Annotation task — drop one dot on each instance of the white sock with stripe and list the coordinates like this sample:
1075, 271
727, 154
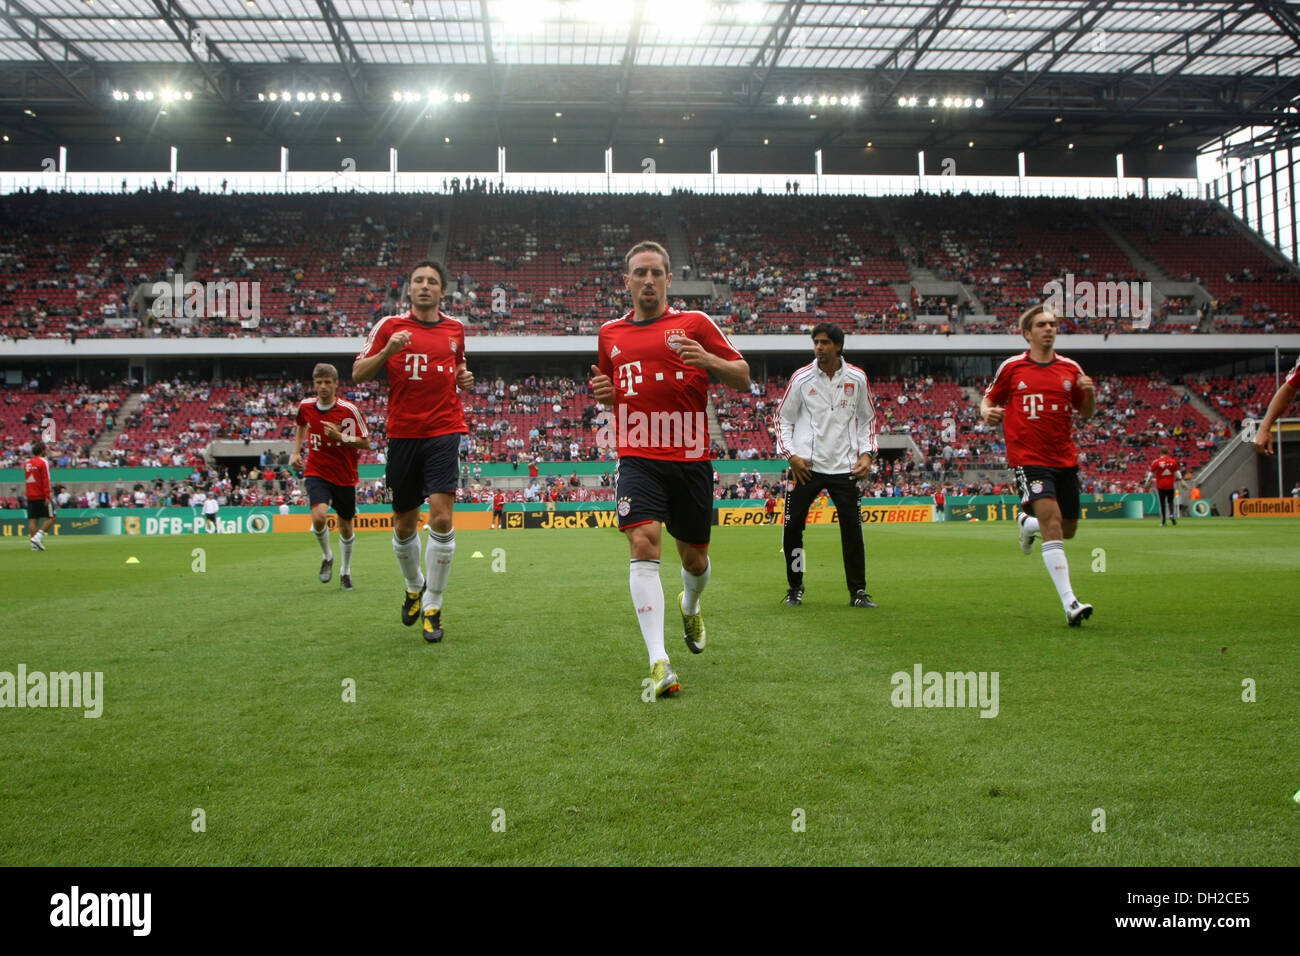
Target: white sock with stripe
408, 557
323, 539
648, 599
694, 584
1059, 569
437, 562
345, 545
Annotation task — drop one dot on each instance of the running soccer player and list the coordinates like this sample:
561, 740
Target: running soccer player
423, 352
1035, 395
334, 431
40, 497
1165, 472
653, 372
1282, 399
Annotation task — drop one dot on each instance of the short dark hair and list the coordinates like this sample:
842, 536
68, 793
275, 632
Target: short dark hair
832, 332
38, 447
325, 370
429, 264
648, 246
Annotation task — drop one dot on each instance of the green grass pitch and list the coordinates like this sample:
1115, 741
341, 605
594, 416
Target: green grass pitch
524, 739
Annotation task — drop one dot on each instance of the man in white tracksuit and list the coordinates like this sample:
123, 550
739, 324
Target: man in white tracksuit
826, 429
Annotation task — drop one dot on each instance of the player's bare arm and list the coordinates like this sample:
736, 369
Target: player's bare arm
992, 414
602, 388
1089, 406
365, 369
464, 377
863, 467
295, 460
1282, 400
733, 373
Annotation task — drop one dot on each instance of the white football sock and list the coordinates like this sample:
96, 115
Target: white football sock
1030, 524
408, 557
648, 599
1059, 569
694, 584
345, 545
323, 539
437, 562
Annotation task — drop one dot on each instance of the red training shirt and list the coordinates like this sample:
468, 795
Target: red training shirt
1164, 468
326, 457
1293, 376
649, 380
37, 472
422, 400
1040, 401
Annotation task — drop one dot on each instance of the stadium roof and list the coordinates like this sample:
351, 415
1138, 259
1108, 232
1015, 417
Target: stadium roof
1118, 74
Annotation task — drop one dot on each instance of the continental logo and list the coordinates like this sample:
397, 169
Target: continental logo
1267, 508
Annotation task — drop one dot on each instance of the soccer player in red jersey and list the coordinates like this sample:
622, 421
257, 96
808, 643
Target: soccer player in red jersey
654, 366
423, 353
334, 431
1282, 399
498, 510
1035, 395
40, 497
1165, 471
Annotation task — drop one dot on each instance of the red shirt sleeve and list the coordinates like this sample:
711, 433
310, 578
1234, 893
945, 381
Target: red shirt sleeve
300, 419
377, 338
362, 431
602, 355
999, 389
714, 340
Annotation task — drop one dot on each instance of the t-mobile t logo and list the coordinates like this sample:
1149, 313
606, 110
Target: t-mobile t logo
1032, 403
629, 376
416, 362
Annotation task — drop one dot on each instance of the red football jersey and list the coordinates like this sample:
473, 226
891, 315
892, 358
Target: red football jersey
498, 501
660, 401
422, 400
37, 472
1293, 376
1164, 469
1040, 401
329, 458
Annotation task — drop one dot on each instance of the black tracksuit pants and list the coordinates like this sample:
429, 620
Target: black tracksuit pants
843, 490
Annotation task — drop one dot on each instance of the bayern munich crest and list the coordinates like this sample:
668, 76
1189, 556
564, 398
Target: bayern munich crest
671, 337
848, 389
624, 507
1036, 487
